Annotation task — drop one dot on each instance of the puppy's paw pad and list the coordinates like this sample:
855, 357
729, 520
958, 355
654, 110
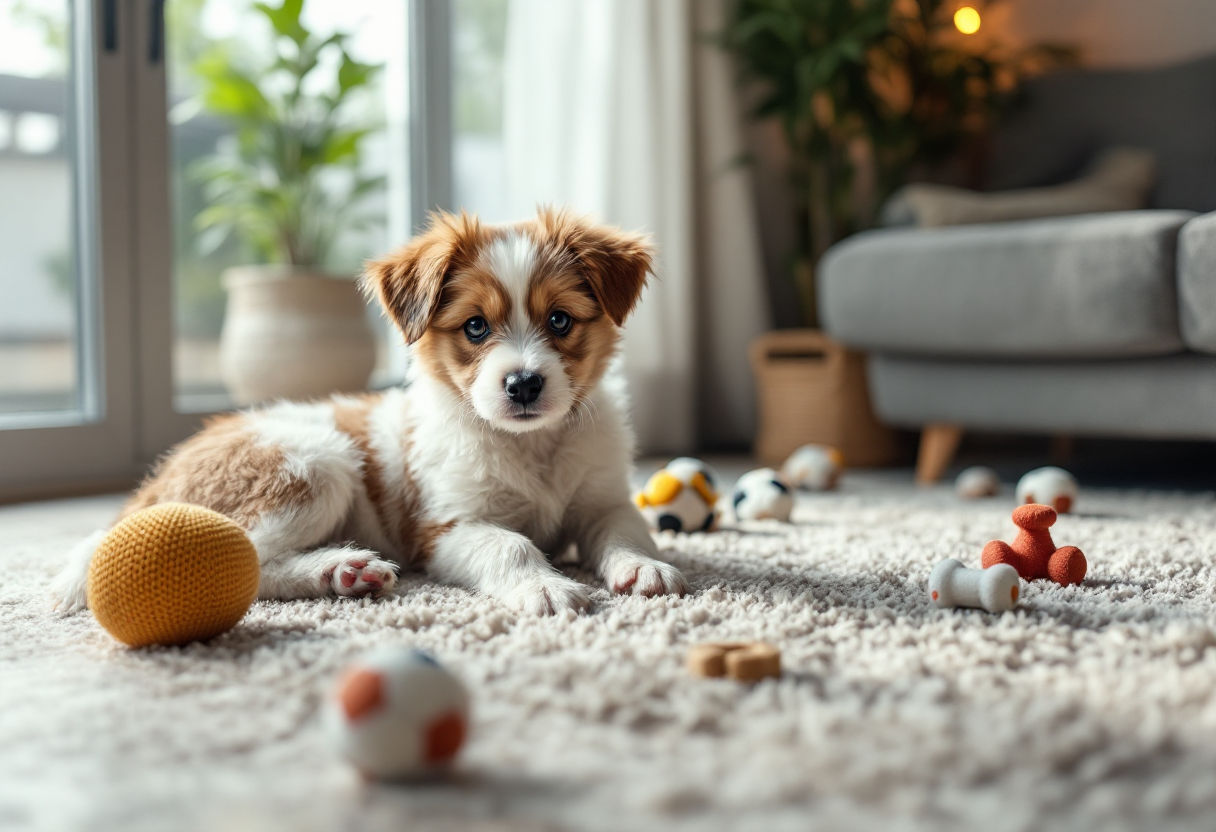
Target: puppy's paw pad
647, 577
550, 597
361, 575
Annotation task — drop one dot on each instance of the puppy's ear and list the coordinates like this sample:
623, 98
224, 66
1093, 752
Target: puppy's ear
408, 283
614, 263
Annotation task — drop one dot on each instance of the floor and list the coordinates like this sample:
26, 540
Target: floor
1087, 707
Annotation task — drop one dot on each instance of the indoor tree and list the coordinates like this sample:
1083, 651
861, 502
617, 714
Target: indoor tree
866, 92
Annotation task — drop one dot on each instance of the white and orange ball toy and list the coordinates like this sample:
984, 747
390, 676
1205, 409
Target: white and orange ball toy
1049, 486
396, 713
813, 467
976, 482
681, 497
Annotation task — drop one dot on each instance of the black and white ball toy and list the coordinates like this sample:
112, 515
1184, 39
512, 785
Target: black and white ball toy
681, 497
762, 494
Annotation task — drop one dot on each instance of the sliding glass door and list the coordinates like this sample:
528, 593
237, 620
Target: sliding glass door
113, 126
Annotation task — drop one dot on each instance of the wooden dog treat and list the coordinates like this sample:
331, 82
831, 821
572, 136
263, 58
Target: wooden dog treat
743, 661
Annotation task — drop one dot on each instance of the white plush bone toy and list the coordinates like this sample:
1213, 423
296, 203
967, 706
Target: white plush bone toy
995, 589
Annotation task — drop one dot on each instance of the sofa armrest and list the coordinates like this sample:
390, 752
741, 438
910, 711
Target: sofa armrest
1197, 283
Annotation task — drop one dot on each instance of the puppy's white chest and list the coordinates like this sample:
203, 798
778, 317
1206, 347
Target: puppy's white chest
531, 502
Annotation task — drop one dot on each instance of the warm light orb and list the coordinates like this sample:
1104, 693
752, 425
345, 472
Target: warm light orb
967, 20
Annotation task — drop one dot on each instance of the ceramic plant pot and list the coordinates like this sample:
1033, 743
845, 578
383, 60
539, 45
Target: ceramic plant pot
293, 334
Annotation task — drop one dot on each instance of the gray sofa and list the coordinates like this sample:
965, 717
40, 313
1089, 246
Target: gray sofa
1103, 324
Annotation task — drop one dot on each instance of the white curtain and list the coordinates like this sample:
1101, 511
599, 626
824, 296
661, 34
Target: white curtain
619, 109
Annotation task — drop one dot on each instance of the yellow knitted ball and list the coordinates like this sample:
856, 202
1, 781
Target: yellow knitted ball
171, 574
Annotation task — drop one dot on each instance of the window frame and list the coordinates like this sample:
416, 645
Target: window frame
92, 448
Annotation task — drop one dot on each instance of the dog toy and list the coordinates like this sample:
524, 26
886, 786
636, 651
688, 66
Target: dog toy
172, 574
1049, 486
1033, 553
680, 497
977, 481
995, 589
396, 713
762, 495
743, 661
813, 467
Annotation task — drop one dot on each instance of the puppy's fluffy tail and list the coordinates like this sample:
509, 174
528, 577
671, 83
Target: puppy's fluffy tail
69, 588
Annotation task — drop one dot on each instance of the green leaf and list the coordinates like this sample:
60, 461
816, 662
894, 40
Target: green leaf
285, 18
352, 74
342, 146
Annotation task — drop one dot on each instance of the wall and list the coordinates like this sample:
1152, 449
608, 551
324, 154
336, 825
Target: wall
1111, 33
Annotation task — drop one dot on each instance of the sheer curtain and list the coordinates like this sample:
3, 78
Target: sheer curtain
619, 109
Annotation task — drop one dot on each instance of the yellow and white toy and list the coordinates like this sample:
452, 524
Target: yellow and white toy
1049, 486
680, 497
396, 713
813, 467
762, 495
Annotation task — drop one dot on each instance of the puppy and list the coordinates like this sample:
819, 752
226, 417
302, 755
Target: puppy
505, 446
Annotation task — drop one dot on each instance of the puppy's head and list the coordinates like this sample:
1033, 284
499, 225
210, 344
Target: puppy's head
521, 321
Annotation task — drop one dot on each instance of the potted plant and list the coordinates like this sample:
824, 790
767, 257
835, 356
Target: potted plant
287, 189
868, 93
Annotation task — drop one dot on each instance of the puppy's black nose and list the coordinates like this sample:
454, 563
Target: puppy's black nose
523, 388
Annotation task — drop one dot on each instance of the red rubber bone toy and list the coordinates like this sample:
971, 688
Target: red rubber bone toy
1033, 553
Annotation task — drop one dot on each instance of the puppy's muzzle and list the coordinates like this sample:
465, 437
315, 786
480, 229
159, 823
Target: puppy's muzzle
523, 387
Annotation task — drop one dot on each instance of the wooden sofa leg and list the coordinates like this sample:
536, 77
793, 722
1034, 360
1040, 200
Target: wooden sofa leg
938, 442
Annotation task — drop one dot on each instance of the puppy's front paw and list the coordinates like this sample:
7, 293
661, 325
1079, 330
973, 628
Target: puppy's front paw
550, 595
362, 574
631, 574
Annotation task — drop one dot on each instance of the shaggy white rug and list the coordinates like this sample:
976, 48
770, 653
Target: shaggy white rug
1088, 707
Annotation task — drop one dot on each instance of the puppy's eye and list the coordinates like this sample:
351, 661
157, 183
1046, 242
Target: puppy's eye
475, 329
560, 322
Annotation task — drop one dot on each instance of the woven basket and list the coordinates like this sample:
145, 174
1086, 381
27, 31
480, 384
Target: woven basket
813, 390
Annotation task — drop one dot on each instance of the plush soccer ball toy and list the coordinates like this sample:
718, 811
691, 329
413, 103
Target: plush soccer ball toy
680, 497
813, 467
762, 495
977, 481
1049, 486
172, 574
396, 713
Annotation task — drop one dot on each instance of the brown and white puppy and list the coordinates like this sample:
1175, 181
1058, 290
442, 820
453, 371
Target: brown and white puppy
505, 446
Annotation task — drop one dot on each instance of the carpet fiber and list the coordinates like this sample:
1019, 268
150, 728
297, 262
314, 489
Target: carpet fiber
1087, 707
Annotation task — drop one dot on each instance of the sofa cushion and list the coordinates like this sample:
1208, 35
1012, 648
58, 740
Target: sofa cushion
1095, 286
1119, 180
1197, 283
